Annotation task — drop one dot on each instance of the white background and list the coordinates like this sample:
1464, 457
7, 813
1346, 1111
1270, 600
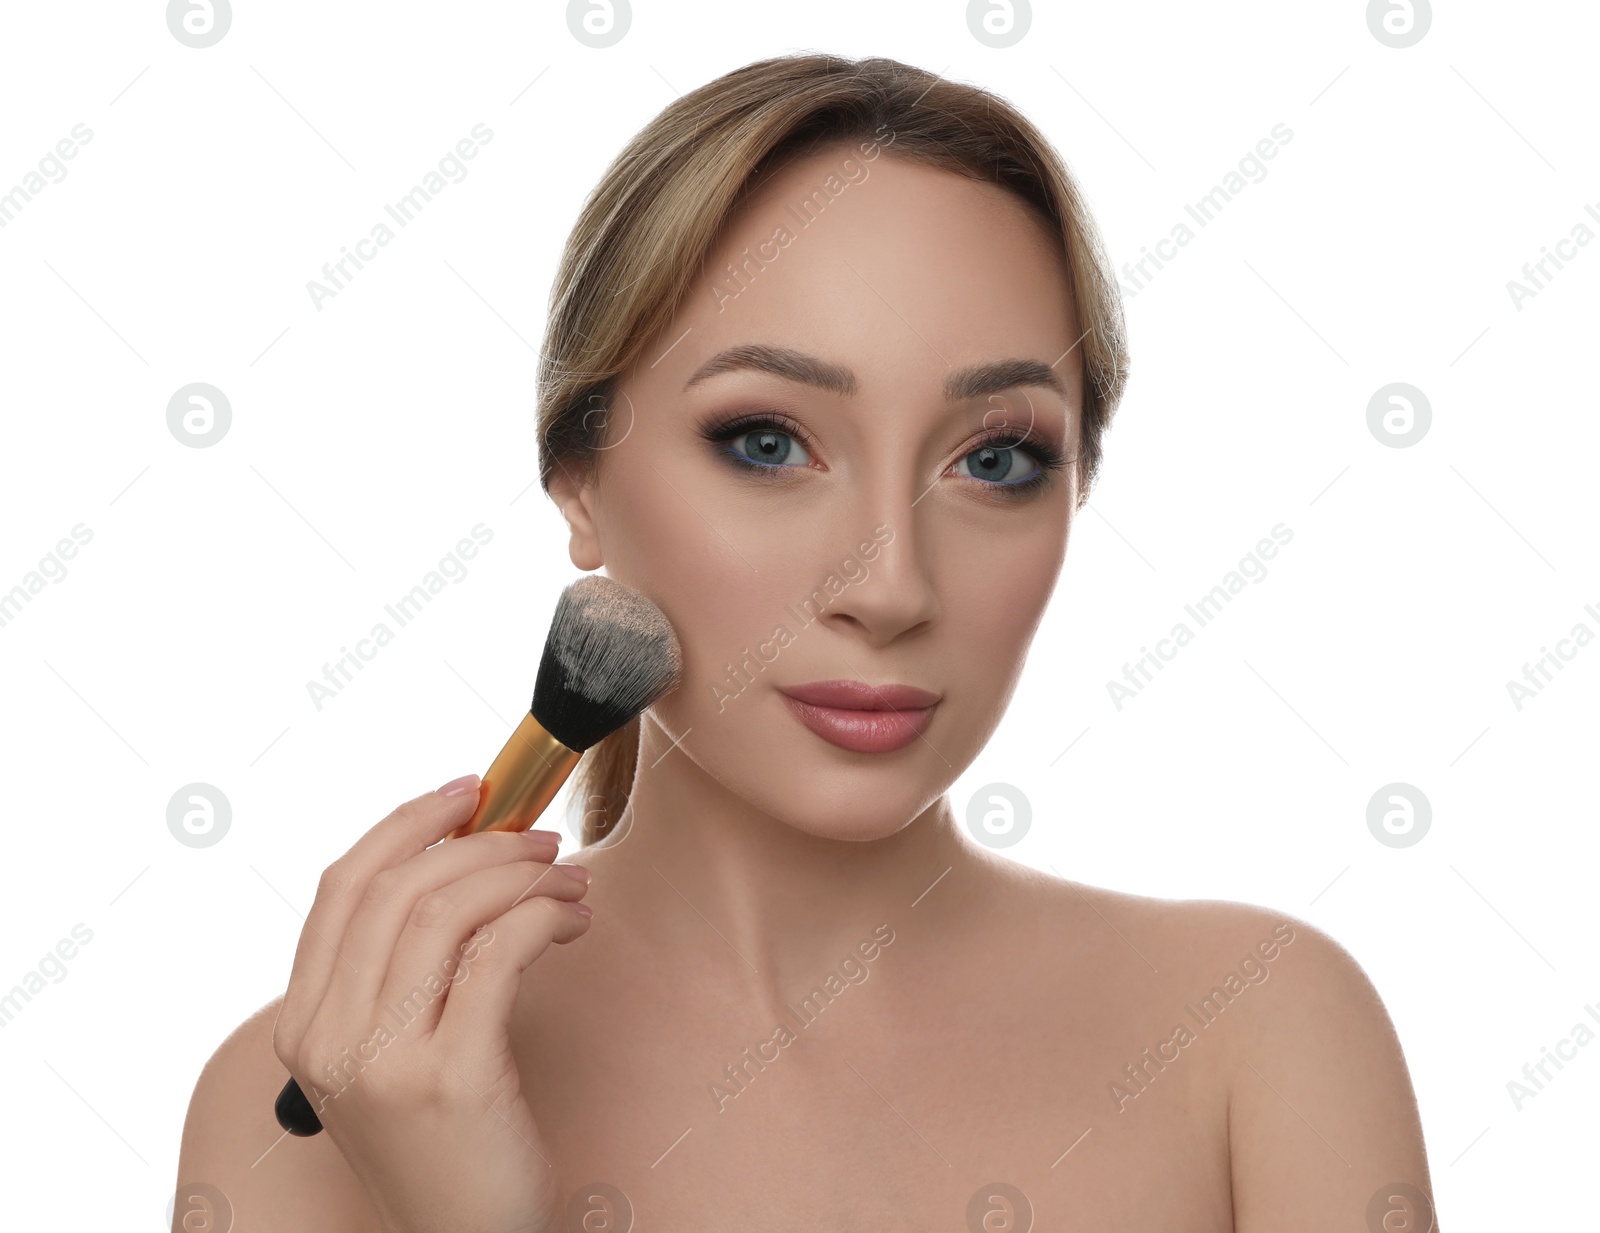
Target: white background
368, 437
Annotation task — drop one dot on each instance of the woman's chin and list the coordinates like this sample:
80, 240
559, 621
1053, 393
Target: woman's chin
864, 819
864, 830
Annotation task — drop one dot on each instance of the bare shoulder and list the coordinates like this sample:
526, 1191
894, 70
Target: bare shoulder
1323, 1126
1206, 942
232, 1142
1185, 941
1283, 984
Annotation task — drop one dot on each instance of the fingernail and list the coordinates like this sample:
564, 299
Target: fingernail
575, 871
459, 787
544, 836
583, 909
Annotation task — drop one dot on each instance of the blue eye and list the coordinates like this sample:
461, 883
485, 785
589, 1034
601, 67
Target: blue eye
766, 443
767, 447
1002, 466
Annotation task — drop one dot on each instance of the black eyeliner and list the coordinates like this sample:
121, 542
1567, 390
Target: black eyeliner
718, 432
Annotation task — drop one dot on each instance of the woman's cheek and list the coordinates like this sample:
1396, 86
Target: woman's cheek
725, 626
992, 615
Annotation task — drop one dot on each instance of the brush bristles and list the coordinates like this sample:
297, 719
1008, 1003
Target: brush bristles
610, 653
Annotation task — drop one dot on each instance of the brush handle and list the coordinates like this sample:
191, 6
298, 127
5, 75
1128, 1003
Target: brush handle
294, 1111
521, 782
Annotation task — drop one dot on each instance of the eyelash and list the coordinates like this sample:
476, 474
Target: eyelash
721, 432
1049, 459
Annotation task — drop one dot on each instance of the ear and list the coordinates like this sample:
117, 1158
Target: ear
572, 488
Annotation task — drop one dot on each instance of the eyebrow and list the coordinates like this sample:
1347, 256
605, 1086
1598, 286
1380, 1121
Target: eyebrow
963, 383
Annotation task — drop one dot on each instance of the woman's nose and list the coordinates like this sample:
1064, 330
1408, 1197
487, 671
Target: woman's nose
889, 572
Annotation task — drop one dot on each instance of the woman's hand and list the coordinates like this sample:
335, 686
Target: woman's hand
395, 1022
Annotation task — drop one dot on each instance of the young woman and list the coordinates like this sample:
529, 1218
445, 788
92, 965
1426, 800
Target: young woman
830, 355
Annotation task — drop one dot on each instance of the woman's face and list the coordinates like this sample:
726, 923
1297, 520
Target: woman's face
853, 462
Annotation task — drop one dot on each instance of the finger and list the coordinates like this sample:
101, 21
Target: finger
406, 831
482, 994
408, 828
393, 894
436, 941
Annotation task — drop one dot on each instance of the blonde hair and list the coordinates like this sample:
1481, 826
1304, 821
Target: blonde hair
644, 231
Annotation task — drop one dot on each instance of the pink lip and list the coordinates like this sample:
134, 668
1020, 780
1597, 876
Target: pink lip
860, 717
859, 696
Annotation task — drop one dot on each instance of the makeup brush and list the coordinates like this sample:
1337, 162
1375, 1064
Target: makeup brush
610, 653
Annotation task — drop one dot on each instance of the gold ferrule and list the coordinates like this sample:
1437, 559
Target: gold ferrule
524, 777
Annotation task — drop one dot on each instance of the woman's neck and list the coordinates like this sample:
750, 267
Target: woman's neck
698, 871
